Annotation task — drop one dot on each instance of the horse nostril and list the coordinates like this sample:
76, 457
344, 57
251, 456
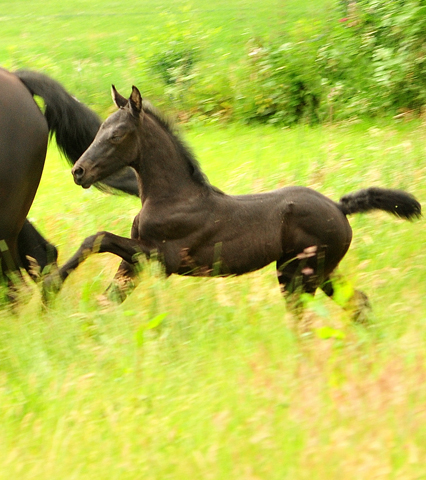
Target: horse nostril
78, 173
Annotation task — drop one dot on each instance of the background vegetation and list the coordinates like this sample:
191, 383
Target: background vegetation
279, 62
211, 378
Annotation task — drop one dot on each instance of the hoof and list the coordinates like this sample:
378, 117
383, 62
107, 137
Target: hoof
51, 286
119, 289
116, 293
360, 307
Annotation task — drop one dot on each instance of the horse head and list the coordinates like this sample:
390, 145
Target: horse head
115, 145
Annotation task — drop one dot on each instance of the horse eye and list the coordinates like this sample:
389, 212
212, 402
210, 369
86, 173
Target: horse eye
116, 137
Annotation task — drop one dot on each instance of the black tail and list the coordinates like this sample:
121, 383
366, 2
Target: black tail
73, 123
397, 202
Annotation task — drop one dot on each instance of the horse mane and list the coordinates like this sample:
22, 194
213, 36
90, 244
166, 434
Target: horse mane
170, 127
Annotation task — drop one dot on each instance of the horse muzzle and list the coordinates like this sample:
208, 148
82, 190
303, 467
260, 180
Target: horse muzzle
80, 177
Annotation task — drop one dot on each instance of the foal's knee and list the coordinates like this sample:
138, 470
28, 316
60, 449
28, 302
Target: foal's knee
93, 242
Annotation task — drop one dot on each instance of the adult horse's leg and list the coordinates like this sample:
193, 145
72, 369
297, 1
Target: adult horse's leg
74, 126
35, 252
10, 274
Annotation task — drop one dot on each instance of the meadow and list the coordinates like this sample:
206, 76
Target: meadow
212, 378
90, 46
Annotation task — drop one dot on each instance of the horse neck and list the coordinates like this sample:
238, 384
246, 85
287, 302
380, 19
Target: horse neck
163, 168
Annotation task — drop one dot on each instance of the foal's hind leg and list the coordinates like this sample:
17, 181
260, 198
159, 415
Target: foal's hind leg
296, 278
355, 302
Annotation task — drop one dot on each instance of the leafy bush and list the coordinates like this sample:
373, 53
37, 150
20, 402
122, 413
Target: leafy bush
195, 87
371, 62
283, 85
174, 55
376, 58
369, 59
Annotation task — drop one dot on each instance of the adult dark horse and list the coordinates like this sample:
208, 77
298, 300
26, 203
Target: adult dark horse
198, 230
24, 132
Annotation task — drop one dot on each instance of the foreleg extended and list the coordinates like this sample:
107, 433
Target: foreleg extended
126, 278
124, 282
102, 242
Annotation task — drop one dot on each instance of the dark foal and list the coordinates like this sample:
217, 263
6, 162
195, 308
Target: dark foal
195, 229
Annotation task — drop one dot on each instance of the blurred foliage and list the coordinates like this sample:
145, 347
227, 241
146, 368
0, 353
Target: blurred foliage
287, 65
368, 60
375, 61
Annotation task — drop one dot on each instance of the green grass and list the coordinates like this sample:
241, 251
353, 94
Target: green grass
211, 378
226, 386
89, 45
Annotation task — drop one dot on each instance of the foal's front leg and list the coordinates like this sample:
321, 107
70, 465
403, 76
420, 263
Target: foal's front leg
124, 282
101, 242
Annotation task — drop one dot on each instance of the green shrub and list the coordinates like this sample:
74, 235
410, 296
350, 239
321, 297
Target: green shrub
283, 85
371, 62
375, 58
369, 59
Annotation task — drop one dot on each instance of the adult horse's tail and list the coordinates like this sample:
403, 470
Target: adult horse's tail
73, 123
397, 202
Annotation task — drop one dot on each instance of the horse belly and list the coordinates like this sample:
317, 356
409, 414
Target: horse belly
227, 237
249, 254
223, 257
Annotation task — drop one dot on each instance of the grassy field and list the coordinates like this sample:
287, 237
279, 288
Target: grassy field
89, 45
210, 378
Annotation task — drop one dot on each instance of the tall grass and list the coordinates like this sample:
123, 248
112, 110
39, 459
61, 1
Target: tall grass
211, 378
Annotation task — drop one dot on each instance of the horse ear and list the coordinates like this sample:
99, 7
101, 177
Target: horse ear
118, 99
135, 101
